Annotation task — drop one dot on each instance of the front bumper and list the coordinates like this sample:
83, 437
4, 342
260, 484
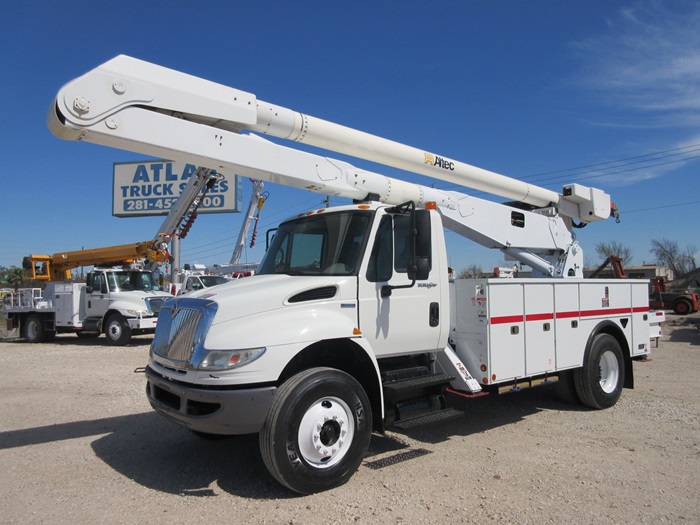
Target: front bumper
142, 323
214, 411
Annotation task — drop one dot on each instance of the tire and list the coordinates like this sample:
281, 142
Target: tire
682, 307
117, 330
34, 331
316, 431
600, 380
565, 388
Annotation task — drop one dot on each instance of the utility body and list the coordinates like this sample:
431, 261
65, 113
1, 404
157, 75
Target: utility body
352, 323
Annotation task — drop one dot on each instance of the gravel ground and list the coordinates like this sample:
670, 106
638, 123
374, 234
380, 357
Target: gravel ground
80, 444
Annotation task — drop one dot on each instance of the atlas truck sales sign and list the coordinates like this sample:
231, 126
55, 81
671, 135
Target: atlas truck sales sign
153, 187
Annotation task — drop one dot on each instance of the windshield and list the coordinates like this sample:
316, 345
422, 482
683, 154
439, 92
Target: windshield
212, 280
125, 280
323, 244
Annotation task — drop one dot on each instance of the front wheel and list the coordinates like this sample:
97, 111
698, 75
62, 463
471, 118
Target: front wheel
117, 330
599, 381
317, 430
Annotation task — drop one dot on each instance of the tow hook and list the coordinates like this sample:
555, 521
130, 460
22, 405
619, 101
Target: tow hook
140, 370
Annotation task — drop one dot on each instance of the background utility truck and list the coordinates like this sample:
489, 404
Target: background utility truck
197, 278
116, 301
352, 324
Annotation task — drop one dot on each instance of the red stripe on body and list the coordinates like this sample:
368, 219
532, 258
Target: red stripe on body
508, 319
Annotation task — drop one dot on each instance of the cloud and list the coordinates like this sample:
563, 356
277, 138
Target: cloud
646, 65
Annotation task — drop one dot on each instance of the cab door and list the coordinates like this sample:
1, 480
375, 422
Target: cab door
394, 316
97, 298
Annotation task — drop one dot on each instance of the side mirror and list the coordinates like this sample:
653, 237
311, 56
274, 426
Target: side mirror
419, 268
88, 289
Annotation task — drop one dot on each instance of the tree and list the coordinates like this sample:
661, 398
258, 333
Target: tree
606, 249
15, 277
668, 253
473, 271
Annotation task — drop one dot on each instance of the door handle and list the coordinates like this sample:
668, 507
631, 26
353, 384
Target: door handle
434, 317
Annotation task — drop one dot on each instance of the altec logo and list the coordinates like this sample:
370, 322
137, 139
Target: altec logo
434, 160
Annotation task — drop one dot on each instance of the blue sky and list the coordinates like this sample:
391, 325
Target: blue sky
602, 93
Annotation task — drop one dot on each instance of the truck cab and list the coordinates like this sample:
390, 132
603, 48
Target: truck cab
196, 282
120, 302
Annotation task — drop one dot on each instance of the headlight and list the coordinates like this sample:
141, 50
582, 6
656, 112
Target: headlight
138, 313
227, 359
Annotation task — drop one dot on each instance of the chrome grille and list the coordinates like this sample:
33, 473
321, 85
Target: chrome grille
182, 327
179, 330
155, 303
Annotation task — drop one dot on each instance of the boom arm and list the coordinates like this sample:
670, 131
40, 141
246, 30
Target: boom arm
138, 106
256, 202
57, 267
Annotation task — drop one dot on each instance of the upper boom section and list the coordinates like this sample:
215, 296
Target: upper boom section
96, 103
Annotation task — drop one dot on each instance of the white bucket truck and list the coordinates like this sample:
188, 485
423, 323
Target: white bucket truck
351, 323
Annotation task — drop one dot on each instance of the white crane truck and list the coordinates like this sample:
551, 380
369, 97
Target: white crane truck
352, 324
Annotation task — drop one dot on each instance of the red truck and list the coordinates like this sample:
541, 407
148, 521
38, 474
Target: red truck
682, 303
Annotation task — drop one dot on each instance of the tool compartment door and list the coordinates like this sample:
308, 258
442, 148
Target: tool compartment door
539, 328
570, 337
640, 318
506, 330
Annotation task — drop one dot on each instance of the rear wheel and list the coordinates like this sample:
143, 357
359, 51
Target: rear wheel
117, 330
682, 307
317, 430
599, 381
34, 330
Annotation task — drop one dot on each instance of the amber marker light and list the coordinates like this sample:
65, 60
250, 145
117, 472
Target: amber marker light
432, 205
363, 207
356, 331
